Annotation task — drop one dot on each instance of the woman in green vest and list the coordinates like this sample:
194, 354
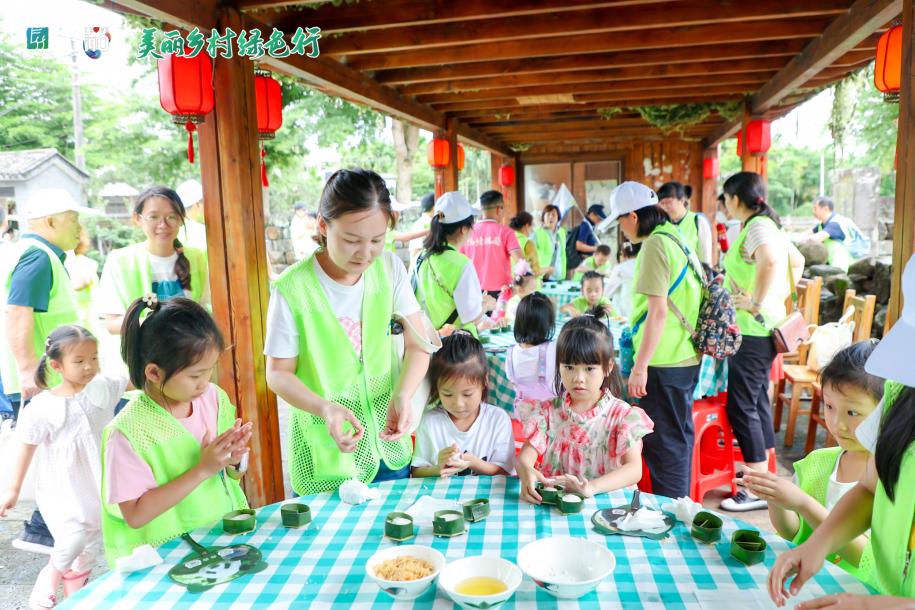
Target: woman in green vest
523, 226
759, 277
447, 284
666, 295
169, 457
550, 240
160, 265
329, 346
696, 230
884, 500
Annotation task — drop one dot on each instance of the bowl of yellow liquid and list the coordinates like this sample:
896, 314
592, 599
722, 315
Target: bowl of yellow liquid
480, 582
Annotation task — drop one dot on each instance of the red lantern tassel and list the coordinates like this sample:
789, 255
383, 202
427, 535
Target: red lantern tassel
191, 128
264, 168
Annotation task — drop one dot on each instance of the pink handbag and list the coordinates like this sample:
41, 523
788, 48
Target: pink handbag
790, 333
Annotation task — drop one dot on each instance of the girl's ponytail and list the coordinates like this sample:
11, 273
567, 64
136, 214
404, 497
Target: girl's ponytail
436, 241
750, 190
131, 351
182, 266
41, 373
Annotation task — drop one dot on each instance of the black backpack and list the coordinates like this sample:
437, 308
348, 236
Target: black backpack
573, 256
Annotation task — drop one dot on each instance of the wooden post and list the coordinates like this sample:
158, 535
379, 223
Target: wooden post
230, 169
450, 178
904, 220
709, 202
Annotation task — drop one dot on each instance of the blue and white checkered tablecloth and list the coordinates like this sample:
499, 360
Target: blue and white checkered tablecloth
324, 566
562, 293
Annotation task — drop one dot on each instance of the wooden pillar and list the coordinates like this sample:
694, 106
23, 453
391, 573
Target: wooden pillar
509, 193
751, 162
709, 201
904, 220
450, 182
230, 169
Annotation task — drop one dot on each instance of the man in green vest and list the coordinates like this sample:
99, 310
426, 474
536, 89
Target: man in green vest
831, 232
37, 299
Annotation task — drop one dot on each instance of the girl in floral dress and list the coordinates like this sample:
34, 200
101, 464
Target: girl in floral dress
590, 440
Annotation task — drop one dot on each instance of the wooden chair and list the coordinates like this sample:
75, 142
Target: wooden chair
808, 303
817, 419
802, 378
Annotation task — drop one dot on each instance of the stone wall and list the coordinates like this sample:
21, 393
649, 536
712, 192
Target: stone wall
867, 276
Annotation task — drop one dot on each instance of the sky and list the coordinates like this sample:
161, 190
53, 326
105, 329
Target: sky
68, 19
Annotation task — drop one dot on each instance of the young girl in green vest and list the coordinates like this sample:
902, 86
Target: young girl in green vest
171, 458
666, 295
550, 240
447, 284
590, 440
160, 265
329, 345
523, 226
464, 435
599, 262
884, 499
592, 295
60, 431
797, 508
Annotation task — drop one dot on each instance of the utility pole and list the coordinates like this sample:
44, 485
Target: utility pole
77, 108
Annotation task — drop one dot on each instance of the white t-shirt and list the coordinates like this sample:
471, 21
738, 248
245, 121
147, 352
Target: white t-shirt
618, 286
282, 340
489, 438
164, 283
836, 489
468, 296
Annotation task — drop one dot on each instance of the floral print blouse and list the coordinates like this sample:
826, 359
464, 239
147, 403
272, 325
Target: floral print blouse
588, 444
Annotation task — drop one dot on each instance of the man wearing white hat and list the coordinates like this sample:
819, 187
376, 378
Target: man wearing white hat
37, 298
195, 232
447, 284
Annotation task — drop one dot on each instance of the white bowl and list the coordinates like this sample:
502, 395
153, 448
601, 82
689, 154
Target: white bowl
406, 589
469, 567
565, 567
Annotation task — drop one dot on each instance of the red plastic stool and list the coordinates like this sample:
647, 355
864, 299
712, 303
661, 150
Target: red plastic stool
645, 484
712, 463
518, 433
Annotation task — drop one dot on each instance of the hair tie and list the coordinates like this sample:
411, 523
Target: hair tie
760, 200
462, 331
151, 300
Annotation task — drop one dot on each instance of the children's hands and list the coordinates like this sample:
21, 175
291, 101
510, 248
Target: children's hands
225, 449
848, 601
445, 458
774, 489
802, 563
529, 478
463, 461
337, 417
400, 416
8, 500
575, 484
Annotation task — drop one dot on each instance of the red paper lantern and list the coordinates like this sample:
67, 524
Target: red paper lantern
759, 138
269, 103
460, 157
710, 168
506, 175
186, 91
888, 64
439, 152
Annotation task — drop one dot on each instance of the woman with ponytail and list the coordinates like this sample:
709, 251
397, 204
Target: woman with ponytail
160, 265
760, 279
447, 283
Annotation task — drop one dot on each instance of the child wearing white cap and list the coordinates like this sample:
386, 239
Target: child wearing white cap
884, 499
447, 284
195, 233
666, 296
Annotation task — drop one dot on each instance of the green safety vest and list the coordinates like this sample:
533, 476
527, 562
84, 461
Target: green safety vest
170, 450
589, 262
389, 240
131, 272
549, 244
581, 305
438, 277
813, 474
689, 231
522, 240
676, 344
893, 520
743, 275
839, 256
328, 365
62, 309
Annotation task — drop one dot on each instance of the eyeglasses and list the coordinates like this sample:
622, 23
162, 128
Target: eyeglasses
172, 220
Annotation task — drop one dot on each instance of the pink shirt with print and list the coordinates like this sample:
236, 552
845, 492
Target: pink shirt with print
489, 247
129, 476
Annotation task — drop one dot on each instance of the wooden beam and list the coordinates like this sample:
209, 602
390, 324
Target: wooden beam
179, 13
368, 15
808, 27
591, 61
842, 35
742, 81
625, 99
590, 134
230, 169
707, 69
904, 219
669, 15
